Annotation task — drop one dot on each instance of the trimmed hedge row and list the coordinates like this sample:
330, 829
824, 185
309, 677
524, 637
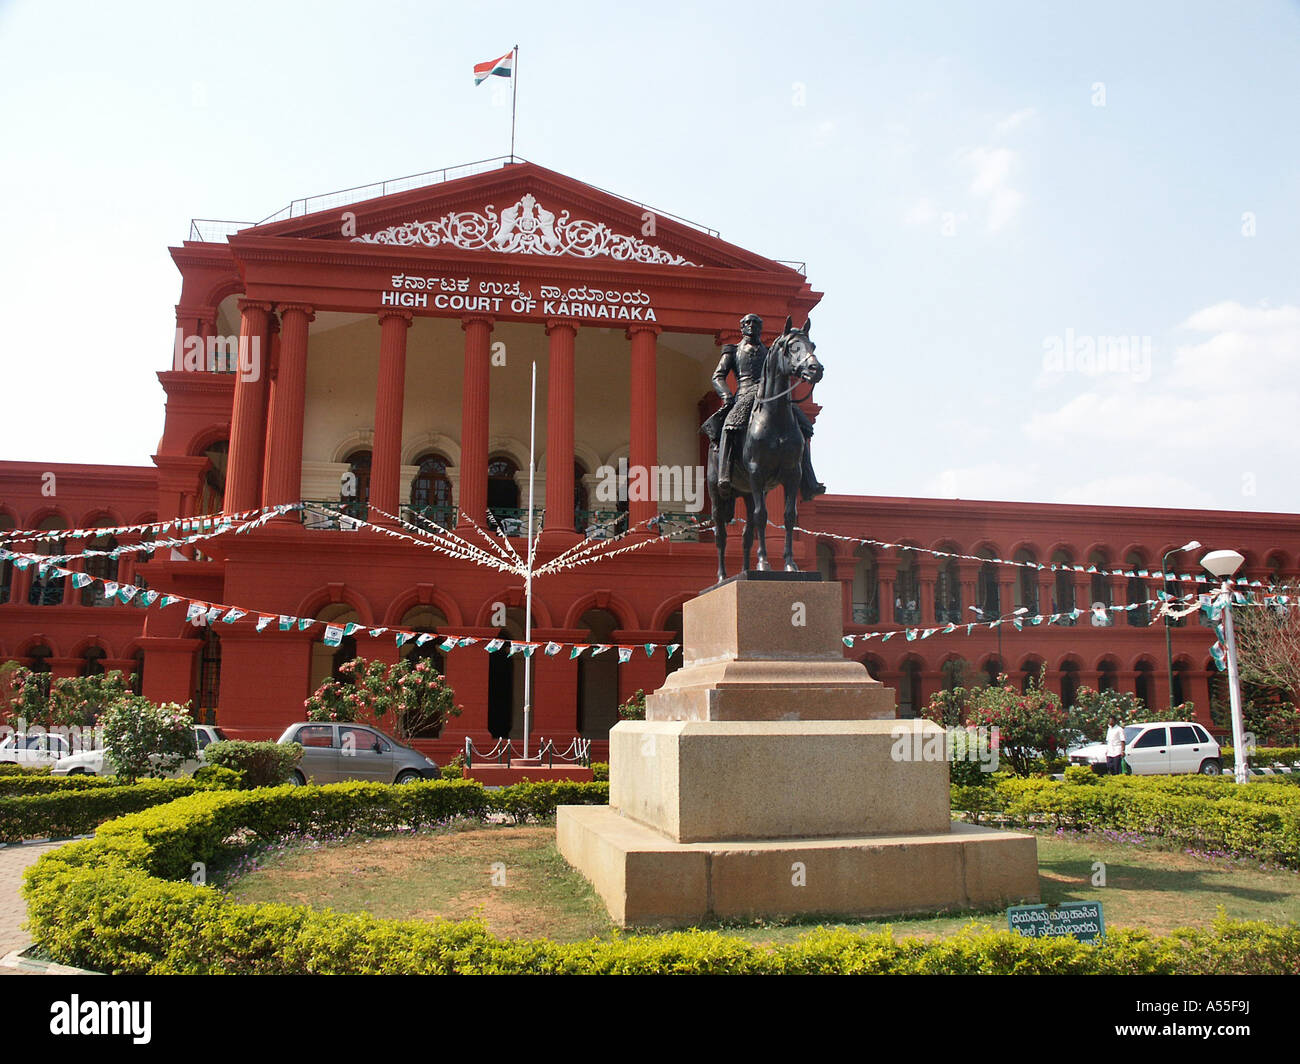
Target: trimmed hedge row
13, 785
1260, 819
10, 768
1266, 756
79, 811
113, 904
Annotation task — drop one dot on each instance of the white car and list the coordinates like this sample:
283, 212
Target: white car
1159, 748
35, 748
100, 762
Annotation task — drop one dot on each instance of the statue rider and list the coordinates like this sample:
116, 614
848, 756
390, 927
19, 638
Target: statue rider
746, 361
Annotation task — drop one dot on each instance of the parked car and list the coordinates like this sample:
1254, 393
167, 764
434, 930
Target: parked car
35, 748
100, 762
335, 753
1160, 748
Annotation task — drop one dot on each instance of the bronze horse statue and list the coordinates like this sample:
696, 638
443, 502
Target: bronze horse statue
771, 454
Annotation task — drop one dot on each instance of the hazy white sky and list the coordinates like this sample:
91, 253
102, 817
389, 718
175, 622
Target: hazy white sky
987, 194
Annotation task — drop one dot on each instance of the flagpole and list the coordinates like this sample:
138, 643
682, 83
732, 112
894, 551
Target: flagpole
528, 577
514, 92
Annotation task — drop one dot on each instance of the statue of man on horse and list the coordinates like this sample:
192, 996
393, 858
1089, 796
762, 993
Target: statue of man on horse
760, 437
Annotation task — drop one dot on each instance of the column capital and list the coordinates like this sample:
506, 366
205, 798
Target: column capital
392, 312
477, 319
254, 304
554, 324
307, 311
643, 327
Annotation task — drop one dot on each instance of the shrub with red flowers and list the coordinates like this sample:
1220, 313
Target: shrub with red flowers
1031, 725
416, 698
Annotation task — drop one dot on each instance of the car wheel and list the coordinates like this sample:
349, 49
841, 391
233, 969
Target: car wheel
409, 776
77, 772
296, 779
1211, 768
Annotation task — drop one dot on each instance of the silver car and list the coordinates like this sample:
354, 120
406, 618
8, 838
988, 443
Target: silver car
336, 753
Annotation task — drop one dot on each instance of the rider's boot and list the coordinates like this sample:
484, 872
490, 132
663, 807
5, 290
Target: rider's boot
810, 487
724, 460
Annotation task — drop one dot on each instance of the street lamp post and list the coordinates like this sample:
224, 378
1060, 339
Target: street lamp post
1223, 564
1169, 643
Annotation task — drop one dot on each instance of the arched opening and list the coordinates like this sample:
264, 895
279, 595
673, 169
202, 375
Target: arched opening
1027, 581
38, 658
431, 490
207, 687
1069, 684
1145, 684
909, 689
354, 492
99, 566
825, 560
1136, 590
506, 682
6, 566
866, 588
1031, 671
212, 495
874, 666
947, 593
907, 595
581, 505
1108, 676
326, 660
425, 620
1182, 689
46, 588
1063, 587
92, 661
598, 678
988, 591
503, 489
993, 668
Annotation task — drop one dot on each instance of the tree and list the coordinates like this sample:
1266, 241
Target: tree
1093, 709
1031, 726
1268, 648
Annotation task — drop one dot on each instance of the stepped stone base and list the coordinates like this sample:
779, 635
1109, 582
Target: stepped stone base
648, 880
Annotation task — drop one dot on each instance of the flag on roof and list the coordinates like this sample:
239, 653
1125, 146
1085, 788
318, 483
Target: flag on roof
500, 67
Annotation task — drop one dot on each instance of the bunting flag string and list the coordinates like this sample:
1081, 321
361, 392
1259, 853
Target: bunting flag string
199, 524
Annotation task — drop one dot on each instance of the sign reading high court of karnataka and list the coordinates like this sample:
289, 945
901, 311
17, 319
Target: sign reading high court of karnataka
460, 295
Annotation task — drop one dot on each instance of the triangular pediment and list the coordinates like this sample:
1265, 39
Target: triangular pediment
526, 210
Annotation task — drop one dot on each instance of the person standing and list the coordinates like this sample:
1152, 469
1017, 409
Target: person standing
1115, 747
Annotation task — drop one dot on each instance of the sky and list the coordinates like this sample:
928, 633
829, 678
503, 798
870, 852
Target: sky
1059, 244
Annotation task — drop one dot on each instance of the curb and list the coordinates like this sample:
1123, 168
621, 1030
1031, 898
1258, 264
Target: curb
31, 966
43, 842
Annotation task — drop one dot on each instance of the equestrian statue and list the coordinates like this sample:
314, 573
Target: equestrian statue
760, 437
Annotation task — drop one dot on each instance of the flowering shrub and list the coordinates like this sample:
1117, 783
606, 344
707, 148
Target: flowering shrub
633, 708
36, 698
1030, 725
1092, 709
418, 697
147, 739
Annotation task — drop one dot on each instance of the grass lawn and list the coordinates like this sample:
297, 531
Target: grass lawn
514, 880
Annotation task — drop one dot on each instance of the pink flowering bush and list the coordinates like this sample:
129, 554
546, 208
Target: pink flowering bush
417, 698
1031, 725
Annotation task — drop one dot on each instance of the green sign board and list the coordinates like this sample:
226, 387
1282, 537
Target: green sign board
1077, 919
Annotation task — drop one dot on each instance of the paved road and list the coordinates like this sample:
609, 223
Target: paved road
13, 910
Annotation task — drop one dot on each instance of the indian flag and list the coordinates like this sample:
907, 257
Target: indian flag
500, 67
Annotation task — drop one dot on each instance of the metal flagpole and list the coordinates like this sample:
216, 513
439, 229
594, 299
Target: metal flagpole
528, 576
514, 92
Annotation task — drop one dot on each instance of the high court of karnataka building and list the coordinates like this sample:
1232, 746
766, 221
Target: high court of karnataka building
396, 332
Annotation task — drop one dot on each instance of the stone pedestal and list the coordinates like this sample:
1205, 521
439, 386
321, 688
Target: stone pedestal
770, 778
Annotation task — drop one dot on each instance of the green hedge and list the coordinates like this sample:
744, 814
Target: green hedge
12, 786
122, 902
10, 768
1265, 756
259, 764
1260, 819
78, 811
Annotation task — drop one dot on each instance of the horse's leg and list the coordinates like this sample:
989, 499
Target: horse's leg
747, 540
791, 519
760, 521
720, 514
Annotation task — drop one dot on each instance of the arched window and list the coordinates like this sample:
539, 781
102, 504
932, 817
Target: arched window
503, 489
988, 592
6, 567
39, 658
425, 619
431, 490
208, 685
92, 661
866, 588
354, 492
1099, 585
1063, 587
947, 593
1108, 676
1069, 683
1145, 684
1027, 582
46, 589
1136, 591
1031, 669
1182, 683
993, 668
907, 594
212, 497
909, 689
100, 566
580, 503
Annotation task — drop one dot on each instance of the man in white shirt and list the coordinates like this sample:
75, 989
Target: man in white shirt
1115, 746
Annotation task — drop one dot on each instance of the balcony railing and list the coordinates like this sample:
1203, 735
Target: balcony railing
424, 516
866, 613
332, 515
601, 524
684, 527
514, 522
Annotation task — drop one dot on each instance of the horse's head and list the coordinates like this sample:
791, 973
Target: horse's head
799, 351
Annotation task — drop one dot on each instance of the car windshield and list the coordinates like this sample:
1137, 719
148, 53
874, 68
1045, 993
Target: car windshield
1131, 730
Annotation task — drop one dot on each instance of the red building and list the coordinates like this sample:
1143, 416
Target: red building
380, 354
